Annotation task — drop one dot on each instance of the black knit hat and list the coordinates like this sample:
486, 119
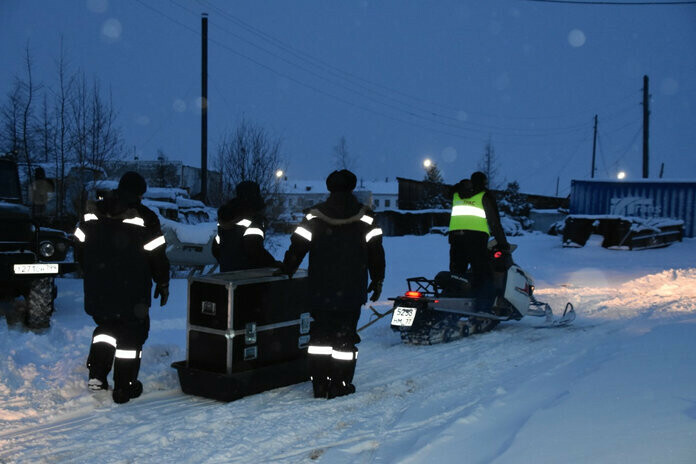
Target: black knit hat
341, 181
131, 186
479, 181
250, 192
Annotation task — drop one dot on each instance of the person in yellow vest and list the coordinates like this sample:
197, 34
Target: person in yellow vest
474, 219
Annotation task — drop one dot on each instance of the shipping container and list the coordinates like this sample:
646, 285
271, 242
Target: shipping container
647, 198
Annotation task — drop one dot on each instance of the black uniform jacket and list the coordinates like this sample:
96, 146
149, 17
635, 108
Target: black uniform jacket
239, 243
466, 190
121, 250
343, 244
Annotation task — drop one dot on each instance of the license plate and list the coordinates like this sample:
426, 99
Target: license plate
403, 316
39, 268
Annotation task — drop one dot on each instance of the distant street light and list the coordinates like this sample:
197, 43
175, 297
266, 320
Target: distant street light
279, 173
427, 163
621, 175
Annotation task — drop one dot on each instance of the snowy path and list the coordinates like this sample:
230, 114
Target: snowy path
617, 386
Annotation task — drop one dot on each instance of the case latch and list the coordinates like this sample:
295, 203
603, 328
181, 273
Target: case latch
209, 308
250, 333
305, 320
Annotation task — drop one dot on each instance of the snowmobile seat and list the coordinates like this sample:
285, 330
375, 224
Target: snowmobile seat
453, 285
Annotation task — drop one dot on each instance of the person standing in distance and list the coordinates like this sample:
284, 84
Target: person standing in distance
122, 250
344, 245
474, 219
239, 241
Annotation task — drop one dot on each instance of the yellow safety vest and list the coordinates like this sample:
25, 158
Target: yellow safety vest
468, 214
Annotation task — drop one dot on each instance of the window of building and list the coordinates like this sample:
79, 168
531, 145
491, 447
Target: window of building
376, 203
387, 203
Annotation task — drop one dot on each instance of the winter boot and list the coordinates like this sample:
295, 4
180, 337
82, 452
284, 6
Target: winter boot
319, 360
126, 368
99, 361
342, 371
125, 394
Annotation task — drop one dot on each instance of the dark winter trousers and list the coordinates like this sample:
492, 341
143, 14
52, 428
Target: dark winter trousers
470, 248
332, 351
119, 343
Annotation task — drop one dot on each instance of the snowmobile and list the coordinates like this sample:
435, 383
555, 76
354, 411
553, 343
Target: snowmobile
447, 308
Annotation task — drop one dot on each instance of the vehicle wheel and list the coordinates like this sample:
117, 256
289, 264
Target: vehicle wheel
40, 303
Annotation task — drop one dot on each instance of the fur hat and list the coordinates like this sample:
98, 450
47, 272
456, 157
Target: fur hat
341, 181
131, 186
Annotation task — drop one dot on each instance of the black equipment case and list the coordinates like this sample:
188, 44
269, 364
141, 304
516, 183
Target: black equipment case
247, 332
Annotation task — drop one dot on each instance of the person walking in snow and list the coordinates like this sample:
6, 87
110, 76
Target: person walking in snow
239, 241
473, 220
344, 245
122, 250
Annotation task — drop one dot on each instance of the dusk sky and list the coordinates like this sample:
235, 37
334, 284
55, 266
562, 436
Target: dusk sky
401, 80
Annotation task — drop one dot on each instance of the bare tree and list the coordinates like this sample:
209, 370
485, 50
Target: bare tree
95, 139
489, 165
62, 127
342, 158
105, 137
45, 130
26, 121
249, 153
11, 111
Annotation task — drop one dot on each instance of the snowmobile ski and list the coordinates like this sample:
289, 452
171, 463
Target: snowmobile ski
565, 319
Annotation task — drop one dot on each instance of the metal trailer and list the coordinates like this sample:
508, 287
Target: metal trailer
647, 198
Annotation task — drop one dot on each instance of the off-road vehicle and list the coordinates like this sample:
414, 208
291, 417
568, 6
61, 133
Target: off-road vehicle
30, 256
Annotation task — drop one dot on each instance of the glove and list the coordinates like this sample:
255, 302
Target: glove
376, 288
162, 292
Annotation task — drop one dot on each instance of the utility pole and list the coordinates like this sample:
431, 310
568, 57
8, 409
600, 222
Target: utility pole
646, 125
204, 108
662, 170
594, 148
558, 180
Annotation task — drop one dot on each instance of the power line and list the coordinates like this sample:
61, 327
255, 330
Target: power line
544, 133
347, 76
427, 115
581, 2
496, 130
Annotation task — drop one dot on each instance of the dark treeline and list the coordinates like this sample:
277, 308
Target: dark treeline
67, 123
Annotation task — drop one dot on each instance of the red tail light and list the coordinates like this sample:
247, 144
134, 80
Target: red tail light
497, 254
414, 294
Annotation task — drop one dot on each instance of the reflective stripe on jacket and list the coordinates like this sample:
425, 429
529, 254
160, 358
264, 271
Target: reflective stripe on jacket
469, 214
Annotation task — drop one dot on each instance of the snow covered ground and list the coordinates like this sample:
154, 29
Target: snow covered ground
618, 386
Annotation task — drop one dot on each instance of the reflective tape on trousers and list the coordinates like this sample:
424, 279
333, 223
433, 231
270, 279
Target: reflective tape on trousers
103, 338
316, 349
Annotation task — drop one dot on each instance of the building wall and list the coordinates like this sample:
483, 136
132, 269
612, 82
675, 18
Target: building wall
675, 200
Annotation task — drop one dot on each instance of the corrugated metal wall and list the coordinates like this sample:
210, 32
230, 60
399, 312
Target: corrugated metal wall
676, 200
